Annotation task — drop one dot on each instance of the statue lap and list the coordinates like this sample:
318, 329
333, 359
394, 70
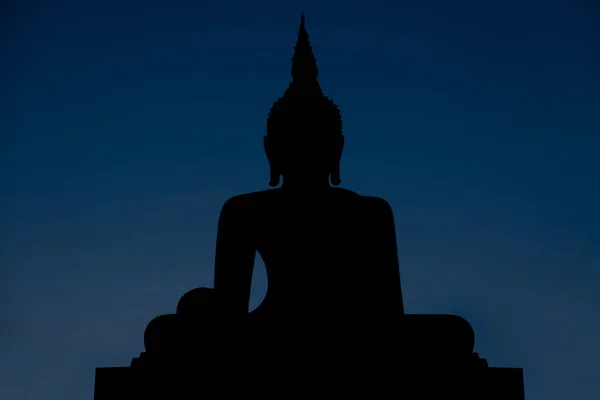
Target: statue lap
201, 325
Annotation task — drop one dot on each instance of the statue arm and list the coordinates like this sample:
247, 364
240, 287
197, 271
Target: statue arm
388, 262
234, 258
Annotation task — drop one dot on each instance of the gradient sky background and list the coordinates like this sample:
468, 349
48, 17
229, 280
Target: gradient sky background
126, 125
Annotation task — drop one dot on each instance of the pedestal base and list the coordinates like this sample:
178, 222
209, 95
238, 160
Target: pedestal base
193, 381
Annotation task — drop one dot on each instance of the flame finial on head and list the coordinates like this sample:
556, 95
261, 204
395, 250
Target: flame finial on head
304, 64
303, 108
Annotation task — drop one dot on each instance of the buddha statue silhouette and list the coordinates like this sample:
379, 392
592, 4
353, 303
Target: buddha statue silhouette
330, 253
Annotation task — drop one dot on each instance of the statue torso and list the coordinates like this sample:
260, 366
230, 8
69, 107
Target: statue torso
316, 247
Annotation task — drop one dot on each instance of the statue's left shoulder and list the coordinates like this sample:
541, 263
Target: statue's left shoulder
378, 205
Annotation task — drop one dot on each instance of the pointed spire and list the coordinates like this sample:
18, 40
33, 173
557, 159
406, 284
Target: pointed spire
304, 64
303, 102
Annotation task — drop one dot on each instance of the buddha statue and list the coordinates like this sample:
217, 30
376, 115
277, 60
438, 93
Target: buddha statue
330, 254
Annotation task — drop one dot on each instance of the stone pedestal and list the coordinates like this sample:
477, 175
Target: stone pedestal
198, 379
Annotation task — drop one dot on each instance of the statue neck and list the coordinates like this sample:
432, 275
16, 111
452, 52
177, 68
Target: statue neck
302, 183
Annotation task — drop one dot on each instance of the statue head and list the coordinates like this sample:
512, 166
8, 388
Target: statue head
304, 140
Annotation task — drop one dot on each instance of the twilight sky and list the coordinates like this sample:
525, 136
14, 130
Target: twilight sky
127, 124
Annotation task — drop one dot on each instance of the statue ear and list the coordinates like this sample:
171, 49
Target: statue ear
339, 147
268, 146
335, 169
335, 174
273, 165
275, 176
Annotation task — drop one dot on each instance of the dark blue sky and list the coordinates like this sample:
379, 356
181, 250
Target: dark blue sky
126, 125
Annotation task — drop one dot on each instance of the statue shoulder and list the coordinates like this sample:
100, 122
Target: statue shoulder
377, 205
371, 204
242, 204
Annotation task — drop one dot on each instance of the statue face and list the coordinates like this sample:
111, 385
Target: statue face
304, 156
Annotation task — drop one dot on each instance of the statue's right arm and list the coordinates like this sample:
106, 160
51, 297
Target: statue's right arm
234, 257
